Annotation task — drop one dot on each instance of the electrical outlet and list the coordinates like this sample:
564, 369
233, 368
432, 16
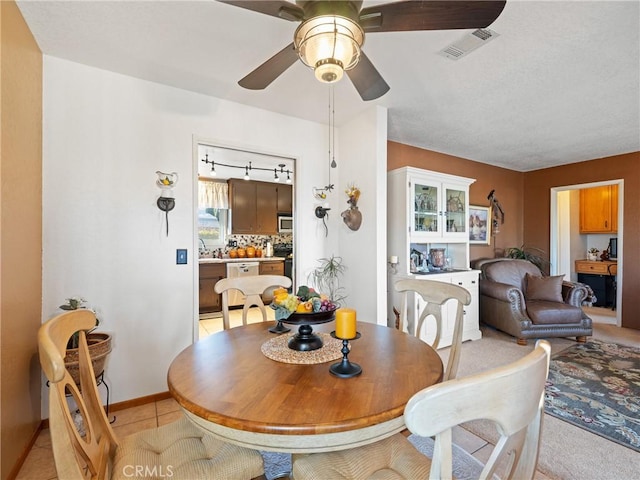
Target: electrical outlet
181, 256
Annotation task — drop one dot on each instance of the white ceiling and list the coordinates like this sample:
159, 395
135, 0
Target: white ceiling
561, 83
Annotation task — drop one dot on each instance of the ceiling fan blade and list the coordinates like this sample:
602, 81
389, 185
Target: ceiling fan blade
430, 15
266, 73
275, 8
367, 80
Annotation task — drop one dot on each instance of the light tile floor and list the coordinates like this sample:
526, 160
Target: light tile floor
39, 463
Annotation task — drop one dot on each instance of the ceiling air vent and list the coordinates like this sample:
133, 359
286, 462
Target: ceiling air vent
468, 43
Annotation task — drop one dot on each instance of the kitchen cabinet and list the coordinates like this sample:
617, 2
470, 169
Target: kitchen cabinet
471, 322
209, 274
285, 199
254, 207
275, 267
599, 209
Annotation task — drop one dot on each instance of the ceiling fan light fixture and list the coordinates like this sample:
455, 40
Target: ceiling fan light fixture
329, 44
329, 70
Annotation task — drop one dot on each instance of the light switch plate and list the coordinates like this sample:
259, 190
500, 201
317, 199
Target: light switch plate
181, 256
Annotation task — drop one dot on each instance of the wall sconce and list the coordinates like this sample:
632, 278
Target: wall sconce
166, 202
322, 212
393, 262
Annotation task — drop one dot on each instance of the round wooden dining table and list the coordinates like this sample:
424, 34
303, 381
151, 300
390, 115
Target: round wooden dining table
226, 385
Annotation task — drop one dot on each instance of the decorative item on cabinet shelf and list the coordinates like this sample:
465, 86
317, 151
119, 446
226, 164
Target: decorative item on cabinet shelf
592, 254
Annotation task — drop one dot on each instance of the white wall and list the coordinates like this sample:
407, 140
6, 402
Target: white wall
104, 137
363, 162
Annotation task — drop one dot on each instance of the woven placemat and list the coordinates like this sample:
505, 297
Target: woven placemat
278, 350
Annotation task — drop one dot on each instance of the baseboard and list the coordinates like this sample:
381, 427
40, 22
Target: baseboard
136, 402
114, 407
13, 474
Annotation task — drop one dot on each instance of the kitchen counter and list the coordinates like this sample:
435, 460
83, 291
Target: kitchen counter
240, 260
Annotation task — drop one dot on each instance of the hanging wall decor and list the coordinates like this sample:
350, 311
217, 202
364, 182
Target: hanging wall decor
496, 210
352, 216
166, 202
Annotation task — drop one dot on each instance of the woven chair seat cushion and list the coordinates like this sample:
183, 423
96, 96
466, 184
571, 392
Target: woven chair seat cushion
180, 450
393, 458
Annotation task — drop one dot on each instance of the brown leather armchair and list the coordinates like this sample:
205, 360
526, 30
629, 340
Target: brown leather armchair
515, 298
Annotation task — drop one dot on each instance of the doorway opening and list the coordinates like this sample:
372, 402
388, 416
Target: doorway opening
228, 180
567, 244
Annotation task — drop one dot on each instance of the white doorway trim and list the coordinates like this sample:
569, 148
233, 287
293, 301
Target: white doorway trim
557, 243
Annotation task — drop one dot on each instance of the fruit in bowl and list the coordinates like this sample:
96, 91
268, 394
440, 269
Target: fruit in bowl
305, 301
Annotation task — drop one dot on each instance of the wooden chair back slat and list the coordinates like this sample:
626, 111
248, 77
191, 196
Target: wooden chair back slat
436, 295
252, 286
511, 396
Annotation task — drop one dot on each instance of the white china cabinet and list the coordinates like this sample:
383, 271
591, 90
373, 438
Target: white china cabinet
427, 212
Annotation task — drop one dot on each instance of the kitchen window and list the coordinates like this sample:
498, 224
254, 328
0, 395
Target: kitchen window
213, 214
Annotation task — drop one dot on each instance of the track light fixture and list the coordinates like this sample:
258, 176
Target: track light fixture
280, 169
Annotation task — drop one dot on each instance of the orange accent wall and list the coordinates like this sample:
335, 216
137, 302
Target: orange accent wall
525, 198
508, 185
20, 236
537, 204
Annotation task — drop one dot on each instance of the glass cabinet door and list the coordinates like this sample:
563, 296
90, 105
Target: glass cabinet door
426, 205
455, 210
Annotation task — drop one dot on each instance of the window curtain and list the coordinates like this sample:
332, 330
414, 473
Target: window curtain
213, 194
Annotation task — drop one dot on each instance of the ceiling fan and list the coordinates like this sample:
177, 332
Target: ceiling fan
331, 33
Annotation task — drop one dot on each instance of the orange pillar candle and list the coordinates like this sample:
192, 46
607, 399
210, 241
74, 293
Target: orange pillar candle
346, 323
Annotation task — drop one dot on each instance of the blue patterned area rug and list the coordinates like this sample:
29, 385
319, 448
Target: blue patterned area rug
596, 386
465, 466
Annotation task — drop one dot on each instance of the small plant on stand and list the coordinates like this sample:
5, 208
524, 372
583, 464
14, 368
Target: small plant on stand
75, 303
326, 278
99, 343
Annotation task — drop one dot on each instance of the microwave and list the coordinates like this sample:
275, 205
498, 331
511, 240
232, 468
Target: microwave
285, 224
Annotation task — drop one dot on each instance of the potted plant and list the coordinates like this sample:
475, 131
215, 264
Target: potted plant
99, 344
326, 278
532, 254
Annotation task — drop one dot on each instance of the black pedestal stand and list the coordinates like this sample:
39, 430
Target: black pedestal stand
345, 369
279, 328
305, 340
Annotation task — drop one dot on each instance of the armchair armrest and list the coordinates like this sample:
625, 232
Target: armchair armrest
503, 292
576, 294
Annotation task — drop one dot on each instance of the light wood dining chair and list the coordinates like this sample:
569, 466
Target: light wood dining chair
436, 295
90, 450
253, 287
511, 396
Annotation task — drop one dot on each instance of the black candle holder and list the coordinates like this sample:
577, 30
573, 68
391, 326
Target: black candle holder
345, 369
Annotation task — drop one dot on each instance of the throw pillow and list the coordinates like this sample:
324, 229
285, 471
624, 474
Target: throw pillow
543, 288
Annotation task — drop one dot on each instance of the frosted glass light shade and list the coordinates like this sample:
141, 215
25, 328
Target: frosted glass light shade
329, 45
